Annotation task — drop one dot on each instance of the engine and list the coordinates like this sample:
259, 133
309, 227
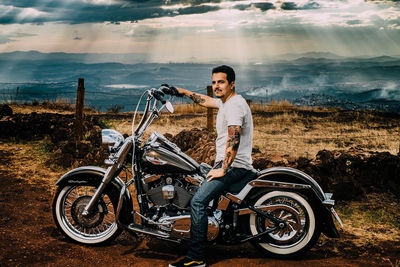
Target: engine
173, 194
170, 204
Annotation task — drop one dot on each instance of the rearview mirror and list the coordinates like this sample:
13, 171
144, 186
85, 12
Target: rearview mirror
169, 107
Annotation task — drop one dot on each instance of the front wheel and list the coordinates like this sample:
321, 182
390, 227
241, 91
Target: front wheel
98, 227
301, 231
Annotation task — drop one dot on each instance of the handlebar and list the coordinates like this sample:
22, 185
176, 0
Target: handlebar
146, 119
159, 95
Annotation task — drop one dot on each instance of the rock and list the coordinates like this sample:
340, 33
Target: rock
95, 135
68, 147
196, 143
83, 148
302, 162
5, 110
351, 174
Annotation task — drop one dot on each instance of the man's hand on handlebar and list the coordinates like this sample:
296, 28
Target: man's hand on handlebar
170, 90
159, 95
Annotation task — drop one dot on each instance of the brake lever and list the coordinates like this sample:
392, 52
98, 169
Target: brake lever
116, 146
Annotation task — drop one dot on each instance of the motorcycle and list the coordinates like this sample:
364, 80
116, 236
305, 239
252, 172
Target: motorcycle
280, 210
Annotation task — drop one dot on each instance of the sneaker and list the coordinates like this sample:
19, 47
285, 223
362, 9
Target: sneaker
185, 262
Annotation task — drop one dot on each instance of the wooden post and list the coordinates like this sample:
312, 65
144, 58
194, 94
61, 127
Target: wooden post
80, 102
248, 102
16, 96
210, 112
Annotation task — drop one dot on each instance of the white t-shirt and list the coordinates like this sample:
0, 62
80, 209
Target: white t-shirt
235, 111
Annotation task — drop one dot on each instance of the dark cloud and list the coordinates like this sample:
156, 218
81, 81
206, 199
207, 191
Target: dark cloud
197, 9
192, 2
242, 7
77, 38
354, 22
11, 16
294, 6
289, 6
264, 6
311, 5
80, 12
118, 14
41, 5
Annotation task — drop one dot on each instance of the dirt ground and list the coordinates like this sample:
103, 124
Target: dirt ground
29, 237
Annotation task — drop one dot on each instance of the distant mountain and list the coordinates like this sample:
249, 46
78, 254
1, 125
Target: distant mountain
311, 60
135, 58
380, 59
310, 79
327, 55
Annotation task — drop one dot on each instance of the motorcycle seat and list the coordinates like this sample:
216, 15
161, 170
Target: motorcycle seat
233, 188
238, 186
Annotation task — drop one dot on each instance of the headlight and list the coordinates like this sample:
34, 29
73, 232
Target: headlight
109, 137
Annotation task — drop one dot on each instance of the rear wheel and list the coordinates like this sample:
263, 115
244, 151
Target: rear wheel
301, 230
98, 227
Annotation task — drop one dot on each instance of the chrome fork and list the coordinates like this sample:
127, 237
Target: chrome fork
118, 162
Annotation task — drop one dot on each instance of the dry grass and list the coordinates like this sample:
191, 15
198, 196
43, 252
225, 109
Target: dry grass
29, 163
275, 106
189, 109
293, 135
284, 129
376, 218
60, 106
279, 127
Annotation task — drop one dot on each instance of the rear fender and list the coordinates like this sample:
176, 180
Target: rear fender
93, 174
289, 176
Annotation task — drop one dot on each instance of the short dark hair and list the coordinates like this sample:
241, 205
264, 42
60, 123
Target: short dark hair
230, 73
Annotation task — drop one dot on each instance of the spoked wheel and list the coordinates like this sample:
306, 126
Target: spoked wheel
96, 228
299, 234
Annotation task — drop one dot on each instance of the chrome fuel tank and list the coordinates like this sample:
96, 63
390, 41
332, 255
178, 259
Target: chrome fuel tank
160, 160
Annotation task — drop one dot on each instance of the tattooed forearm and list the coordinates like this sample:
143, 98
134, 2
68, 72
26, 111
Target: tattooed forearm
197, 98
227, 161
233, 137
232, 146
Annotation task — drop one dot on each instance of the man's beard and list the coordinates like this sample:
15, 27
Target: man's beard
218, 96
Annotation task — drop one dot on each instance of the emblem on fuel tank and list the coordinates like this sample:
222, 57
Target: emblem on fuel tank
156, 161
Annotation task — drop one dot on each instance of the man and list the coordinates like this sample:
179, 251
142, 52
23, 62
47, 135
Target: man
233, 161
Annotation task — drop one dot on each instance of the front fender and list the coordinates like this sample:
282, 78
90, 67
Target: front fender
93, 174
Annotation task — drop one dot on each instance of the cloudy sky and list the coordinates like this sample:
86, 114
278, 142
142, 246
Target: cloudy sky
202, 30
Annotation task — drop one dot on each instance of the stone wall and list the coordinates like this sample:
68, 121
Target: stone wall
57, 131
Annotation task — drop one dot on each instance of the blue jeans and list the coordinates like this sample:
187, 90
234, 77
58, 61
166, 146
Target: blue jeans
199, 219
